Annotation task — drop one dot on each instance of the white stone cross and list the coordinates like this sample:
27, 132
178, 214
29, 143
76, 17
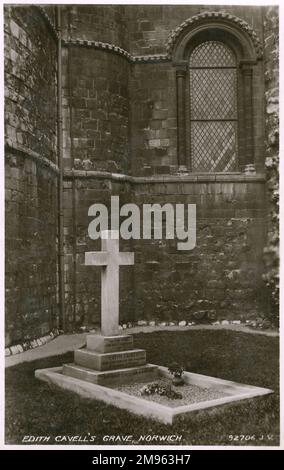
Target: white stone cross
110, 259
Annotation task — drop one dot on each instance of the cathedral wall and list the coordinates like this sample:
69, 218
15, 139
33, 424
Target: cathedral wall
31, 175
120, 137
121, 117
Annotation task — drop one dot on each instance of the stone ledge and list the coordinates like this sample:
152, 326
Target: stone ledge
167, 57
108, 47
30, 344
27, 153
190, 177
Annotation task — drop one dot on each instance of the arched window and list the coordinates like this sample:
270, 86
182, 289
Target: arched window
213, 108
217, 76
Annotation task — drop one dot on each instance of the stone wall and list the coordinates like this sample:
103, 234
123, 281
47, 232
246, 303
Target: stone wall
151, 25
82, 283
96, 138
31, 175
272, 157
96, 110
220, 278
153, 85
30, 67
154, 121
105, 23
120, 117
120, 138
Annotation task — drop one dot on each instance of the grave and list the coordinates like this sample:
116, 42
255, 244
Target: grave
109, 358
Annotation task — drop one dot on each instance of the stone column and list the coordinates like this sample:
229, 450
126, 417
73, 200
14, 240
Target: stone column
247, 73
181, 119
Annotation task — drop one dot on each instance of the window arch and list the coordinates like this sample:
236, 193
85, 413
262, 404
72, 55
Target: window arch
214, 55
213, 117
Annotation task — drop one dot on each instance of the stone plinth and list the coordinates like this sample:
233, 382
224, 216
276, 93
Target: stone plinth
110, 361
107, 344
120, 376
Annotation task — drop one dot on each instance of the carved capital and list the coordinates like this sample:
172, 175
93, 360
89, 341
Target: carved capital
246, 67
247, 71
181, 72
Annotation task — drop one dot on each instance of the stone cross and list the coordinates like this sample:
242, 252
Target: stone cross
110, 259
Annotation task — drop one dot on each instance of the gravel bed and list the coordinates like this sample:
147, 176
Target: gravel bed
190, 393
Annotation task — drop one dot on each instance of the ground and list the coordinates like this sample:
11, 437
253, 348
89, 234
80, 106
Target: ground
33, 408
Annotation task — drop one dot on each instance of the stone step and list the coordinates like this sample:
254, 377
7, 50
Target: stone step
105, 344
145, 373
110, 361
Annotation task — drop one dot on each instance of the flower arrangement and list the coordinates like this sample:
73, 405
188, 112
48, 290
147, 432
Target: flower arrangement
159, 389
176, 370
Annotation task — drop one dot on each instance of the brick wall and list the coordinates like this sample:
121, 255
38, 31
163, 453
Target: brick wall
31, 179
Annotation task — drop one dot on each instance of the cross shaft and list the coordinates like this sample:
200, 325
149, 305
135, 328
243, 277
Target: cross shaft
110, 258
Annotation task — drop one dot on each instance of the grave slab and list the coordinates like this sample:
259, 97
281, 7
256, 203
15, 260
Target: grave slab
235, 393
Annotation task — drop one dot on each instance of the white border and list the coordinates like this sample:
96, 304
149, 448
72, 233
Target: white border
281, 169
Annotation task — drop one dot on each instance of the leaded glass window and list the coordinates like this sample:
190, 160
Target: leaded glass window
213, 108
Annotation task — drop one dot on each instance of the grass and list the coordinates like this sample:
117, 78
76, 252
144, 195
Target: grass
34, 408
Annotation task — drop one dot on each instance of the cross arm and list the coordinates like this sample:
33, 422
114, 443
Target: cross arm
126, 258
96, 258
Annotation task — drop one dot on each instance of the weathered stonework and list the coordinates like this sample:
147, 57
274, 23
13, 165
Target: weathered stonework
96, 111
151, 27
120, 135
168, 284
31, 176
215, 15
221, 273
271, 53
30, 69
